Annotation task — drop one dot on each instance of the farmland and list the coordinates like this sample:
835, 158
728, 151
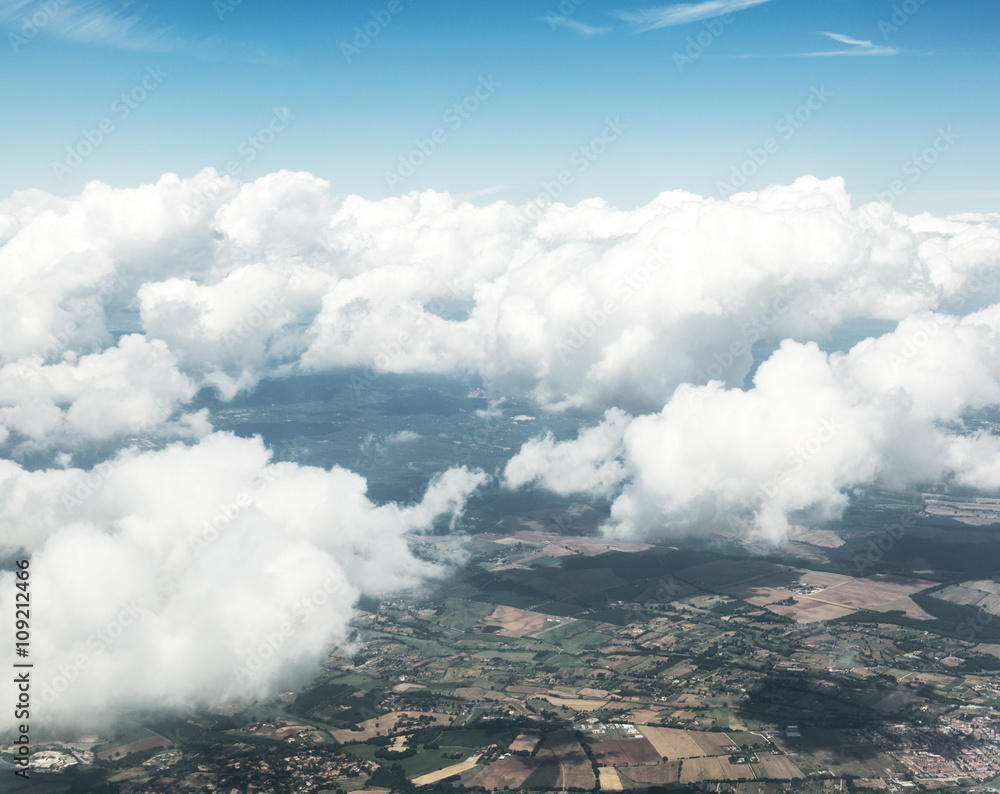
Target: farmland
555, 661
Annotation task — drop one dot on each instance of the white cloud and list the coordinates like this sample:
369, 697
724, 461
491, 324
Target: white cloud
100, 23
559, 21
586, 307
131, 389
197, 574
571, 307
684, 13
87, 22
812, 427
856, 47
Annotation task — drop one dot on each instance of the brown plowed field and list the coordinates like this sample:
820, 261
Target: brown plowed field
615, 752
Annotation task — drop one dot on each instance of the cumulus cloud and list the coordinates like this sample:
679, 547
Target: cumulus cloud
891, 410
203, 557
199, 573
572, 307
131, 389
583, 307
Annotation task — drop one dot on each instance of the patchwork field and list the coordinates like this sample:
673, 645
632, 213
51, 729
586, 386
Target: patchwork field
824, 538
515, 622
575, 768
810, 611
506, 773
148, 743
615, 752
523, 743
983, 593
833, 595
977, 512
818, 749
589, 547
577, 704
656, 775
713, 768
383, 724
644, 716
448, 771
776, 766
674, 743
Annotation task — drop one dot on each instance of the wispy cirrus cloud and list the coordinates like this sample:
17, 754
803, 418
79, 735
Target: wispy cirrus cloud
855, 47
97, 23
683, 13
559, 21
85, 23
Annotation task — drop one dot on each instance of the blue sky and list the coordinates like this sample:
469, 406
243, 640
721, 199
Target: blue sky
692, 97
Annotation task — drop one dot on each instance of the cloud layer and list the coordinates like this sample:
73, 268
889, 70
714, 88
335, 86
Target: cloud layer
191, 569
199, 573
893, 411
572, 307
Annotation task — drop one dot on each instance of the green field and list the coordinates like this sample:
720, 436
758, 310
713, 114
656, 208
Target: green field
459, 613
560, 633
475, 737
561, 660
574, 637
507, 656
422, 763
746, 738
562, 609
616, 617
543, 562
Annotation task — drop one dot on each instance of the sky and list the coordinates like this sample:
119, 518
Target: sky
738, 261
695, 93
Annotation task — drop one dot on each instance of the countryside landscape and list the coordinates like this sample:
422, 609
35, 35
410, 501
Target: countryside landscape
858, 659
